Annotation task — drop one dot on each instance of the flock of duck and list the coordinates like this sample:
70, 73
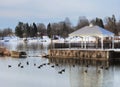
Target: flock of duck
52, 66
100, 67
40, 66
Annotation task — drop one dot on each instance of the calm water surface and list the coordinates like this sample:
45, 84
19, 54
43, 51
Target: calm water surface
76, 74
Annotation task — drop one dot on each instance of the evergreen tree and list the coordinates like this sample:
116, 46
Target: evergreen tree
19, 30
49, 30
27, 30
32, 33
35, 29
98, 22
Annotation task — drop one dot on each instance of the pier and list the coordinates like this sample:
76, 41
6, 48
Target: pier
91, 54
102, 48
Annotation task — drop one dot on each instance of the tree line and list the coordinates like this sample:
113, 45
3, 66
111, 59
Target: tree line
5, 32
62, 28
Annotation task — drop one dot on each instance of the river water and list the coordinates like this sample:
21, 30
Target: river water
75, 73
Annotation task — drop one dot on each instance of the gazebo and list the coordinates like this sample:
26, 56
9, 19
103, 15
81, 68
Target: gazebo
93, 31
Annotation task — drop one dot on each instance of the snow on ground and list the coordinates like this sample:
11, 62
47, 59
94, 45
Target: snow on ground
46, 39
78, 39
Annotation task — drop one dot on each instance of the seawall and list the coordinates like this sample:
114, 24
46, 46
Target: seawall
81, 54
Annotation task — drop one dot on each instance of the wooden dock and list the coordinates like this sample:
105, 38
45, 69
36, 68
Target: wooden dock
91, 54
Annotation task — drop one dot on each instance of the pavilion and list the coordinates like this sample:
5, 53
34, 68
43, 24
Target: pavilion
94, 31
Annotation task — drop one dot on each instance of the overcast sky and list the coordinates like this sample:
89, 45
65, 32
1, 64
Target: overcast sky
45, 11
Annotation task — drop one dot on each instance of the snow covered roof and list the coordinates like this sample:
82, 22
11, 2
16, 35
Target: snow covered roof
88, 31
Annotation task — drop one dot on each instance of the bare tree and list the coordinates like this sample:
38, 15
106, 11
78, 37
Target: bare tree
41, 29
82, 21
111, 24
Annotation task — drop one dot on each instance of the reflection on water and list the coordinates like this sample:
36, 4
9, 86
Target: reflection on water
89, 73
41, 72
33, 49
